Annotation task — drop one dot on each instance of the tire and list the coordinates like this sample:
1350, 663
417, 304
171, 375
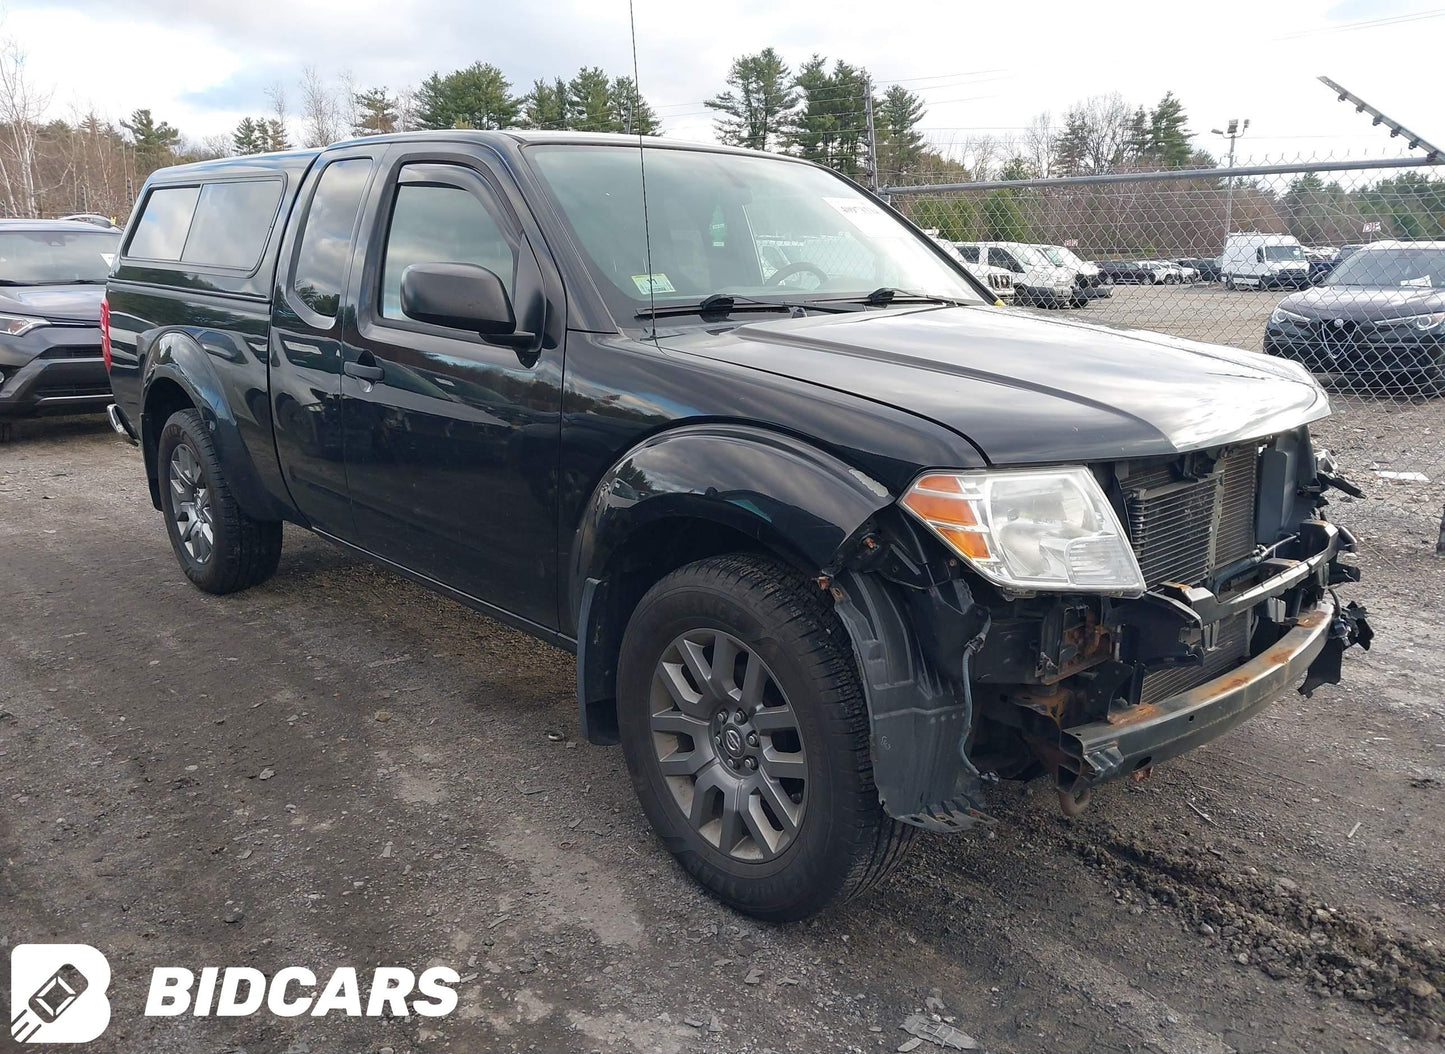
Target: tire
219, 547
787, 859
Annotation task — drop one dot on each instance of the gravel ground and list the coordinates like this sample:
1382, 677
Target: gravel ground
337, 768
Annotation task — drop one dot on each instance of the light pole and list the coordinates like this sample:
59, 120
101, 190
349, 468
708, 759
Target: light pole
1234, 131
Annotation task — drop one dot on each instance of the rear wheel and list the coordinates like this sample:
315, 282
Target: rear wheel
219, 547
746, 734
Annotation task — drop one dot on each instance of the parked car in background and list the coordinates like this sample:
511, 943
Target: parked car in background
1207, 269
832, 557
1264, 261
52, 279
94, 219
1088, 282
1127, 272
1176, 273
1038, 281
1376, 321
1321, 261
999, 281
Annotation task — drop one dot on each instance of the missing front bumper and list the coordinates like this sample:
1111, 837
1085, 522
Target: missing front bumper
1134, 739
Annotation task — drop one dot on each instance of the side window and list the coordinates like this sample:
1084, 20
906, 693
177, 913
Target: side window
999, 258
969, 253
232, 223
326, 239
441, 223
161, 232
1259, 255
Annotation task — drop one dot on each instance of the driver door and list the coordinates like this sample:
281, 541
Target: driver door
452, 438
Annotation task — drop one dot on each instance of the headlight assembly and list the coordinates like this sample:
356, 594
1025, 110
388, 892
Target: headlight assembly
1423, 323
1281, 316
1030, 529
19, 325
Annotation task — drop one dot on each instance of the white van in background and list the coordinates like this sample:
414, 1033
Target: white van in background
1264, 261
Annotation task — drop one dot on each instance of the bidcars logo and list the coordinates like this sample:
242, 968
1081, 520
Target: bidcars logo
57, 993
236, 991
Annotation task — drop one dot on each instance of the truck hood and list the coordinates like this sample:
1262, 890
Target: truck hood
1358, 304
57, 303
1027, 390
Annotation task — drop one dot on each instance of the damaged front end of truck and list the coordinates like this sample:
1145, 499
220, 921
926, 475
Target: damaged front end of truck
1217, 595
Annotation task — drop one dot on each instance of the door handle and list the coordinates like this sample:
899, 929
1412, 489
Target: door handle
362, 372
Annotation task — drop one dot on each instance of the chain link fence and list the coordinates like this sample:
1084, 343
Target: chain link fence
1339, 265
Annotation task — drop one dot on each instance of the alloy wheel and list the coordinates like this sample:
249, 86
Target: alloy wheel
728, 744
191, 504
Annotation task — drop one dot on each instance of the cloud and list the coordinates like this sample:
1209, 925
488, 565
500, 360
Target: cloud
981, 69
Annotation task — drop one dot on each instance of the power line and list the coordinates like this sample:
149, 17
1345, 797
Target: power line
1367, 23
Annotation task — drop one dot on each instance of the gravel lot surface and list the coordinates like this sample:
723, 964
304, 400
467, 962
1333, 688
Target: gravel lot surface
339, 769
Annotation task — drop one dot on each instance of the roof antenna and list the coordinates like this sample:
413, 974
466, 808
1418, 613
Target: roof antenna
642, 170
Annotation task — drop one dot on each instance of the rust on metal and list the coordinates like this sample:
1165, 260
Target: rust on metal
1141, 774
1134, 715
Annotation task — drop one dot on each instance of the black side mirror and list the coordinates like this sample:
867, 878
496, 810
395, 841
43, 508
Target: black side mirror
460, 296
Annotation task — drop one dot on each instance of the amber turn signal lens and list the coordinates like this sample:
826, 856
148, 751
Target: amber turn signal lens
939, 502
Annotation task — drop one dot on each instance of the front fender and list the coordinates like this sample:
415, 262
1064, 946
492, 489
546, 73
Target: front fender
799, 501
177, 356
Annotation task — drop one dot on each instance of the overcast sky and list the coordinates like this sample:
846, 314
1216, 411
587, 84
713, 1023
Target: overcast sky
980, 67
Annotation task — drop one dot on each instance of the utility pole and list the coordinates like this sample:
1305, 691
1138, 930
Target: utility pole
872, 135
1234, 133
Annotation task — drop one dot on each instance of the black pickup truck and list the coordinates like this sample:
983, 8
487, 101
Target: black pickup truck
836, 541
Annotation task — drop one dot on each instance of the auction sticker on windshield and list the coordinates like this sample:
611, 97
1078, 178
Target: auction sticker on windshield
648, 284
867, 217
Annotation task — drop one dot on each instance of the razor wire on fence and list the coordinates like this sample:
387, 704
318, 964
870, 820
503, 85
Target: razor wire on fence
1336, 265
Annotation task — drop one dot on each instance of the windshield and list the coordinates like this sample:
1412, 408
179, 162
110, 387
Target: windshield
1053, 255
1283, 252
56, 257
1390, 268
726, 223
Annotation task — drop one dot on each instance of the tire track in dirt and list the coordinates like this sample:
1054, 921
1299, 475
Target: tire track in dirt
1276, 925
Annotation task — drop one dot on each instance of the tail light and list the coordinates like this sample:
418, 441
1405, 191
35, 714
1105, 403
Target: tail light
105, 331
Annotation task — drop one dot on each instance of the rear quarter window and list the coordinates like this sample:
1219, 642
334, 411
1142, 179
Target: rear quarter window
223, 224
232, 223
161, 232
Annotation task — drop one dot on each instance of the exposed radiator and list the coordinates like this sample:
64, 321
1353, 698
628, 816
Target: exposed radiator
1183, 530
1231, 647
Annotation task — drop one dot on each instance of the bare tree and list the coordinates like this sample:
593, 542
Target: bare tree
344, 99
320, 115
406, 110
22, 107
1039, 143
276, 93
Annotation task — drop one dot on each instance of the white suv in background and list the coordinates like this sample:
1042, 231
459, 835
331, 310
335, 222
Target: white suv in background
1088, 279
999, 281
1037, 279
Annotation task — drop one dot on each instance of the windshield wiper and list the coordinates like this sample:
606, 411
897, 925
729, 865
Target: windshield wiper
727, 304
885, 295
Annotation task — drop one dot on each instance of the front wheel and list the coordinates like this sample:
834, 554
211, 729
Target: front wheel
746, 735
219, 547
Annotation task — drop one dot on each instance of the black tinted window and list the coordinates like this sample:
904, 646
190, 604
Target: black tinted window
326, 239
232, 223
161, 232
435, 223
